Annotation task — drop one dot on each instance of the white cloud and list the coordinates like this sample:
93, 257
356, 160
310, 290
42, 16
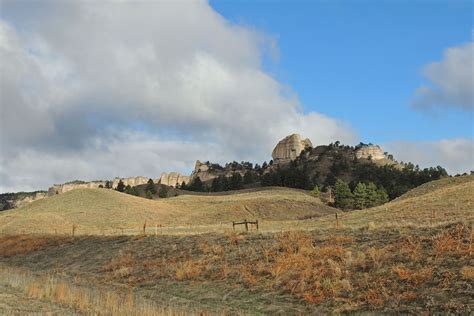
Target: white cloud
456, 155
451, 81
158, 84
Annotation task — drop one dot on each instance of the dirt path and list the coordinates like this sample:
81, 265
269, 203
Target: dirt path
14, 302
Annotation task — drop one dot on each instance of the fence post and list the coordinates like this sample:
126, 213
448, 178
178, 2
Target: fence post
256, 222
73, 229
337, 221
246, 225
233, 225
144, 228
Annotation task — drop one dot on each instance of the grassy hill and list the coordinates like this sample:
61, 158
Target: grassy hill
96, 210
388, 259
438, 202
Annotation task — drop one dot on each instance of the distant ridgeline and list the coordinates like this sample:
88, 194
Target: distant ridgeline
295, 163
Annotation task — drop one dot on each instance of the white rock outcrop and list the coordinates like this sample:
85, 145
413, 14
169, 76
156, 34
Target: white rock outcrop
132, 181
173, 179
289, 148
63, 188
373, 152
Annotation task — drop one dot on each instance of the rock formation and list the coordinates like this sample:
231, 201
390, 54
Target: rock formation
373, 152
208, 171
132, 181
29, 199
63, 188
173, 179
289, 148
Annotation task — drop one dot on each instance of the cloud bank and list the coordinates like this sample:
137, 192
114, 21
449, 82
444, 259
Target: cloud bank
451, 81
456, 155
94, 91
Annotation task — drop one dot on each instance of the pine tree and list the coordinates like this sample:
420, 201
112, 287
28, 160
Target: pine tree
343, 197
163, 191
372, 196
151, 186
216, 184
360, 196
315, 192
149, 195
236, 182
183, 186
382, 196
108, 184
197, 185
249, 177
120, 186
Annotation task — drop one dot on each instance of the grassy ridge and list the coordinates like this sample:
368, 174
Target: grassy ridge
93, 210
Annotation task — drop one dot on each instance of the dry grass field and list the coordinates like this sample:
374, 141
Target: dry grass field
97, 211
413, 255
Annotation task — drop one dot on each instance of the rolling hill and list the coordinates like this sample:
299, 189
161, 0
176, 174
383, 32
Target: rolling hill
438, 202
96, 210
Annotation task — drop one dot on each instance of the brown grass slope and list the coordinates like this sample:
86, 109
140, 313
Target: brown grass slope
438, 202
94, 210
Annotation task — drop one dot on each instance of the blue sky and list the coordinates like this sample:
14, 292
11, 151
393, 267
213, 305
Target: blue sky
362, 61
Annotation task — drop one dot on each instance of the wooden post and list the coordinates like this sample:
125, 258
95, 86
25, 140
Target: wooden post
233, 225
337, 221
144, 228
73, 229
256, 222
246, 225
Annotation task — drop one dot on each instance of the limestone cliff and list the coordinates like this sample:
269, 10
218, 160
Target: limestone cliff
63, 188
173, 179
132, 181
289, 148
370, 151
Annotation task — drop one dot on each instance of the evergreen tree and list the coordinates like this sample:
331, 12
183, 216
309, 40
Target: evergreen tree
342, 195
151, 186
372, 196
216, 184
236, 181
134, 191
197, 185
360, 196
163, 191
249, 177
382, 196
330, 180
183, 186
108, 184
120, 186
225, 183
128, 189
149, 195
315, 192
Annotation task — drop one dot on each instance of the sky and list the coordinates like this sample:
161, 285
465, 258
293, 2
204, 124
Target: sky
93, 90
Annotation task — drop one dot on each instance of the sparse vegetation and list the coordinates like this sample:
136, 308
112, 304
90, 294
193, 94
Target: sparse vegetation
395, 257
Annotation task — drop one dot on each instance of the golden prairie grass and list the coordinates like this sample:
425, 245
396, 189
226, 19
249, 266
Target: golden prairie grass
89, 300
11, 245
467, 272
